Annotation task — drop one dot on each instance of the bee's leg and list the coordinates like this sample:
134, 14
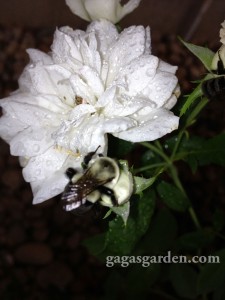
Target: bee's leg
109, 192
70, 172
88, 158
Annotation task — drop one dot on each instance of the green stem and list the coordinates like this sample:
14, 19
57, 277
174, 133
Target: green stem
196, 111
179, 185
156, 150
173, 172
194, 217
157, 143
179, 138
145, 168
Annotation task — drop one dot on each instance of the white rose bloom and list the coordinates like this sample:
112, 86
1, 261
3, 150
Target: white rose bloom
92, 83
110, 10
222, 33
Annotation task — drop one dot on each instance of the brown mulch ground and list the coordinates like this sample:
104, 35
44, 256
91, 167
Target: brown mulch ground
41, 252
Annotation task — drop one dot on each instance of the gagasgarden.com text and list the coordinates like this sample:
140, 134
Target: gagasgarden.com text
146, 261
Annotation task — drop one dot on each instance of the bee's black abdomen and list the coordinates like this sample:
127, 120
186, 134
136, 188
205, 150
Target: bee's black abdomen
109, 192
214, 89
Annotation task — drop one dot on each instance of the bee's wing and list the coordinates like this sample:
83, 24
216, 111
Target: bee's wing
72, 196
75, 194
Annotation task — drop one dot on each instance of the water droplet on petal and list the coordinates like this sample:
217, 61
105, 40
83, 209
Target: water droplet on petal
158, 88
19, 148
153, 105
38, 136
48, 163
155, 117
149, 72
37, 172
36, 148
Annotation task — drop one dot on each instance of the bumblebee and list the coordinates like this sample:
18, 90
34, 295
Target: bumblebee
214, 88
102, 180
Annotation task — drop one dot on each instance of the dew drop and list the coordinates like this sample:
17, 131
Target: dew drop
38, 136
155, 117
48, 163
37, 172
47, 116
19, 148
158, 88
149, 72
153, 105
36, 148
129, 30
142, 64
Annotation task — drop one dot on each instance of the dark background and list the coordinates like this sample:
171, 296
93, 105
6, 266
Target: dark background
41, 252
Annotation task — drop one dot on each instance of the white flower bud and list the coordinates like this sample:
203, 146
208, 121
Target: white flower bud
111, 10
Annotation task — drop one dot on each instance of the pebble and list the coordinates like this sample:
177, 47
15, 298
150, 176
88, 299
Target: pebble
56, 274
12, 178
34, 253
15, 235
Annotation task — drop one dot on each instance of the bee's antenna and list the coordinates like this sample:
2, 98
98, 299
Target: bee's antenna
88, 157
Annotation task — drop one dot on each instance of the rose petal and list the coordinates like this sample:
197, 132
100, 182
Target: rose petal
31, 142
151, 126
44, 165
77, 7
49, 187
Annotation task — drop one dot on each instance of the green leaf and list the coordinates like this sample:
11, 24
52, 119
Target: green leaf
212, 275
183, 278
140, 183
122, 211
213, 150
95, 244
121, 239
205, 55
172, 196
196, 240
146, 208
150, 159
191, 98
201, 151
161, 234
